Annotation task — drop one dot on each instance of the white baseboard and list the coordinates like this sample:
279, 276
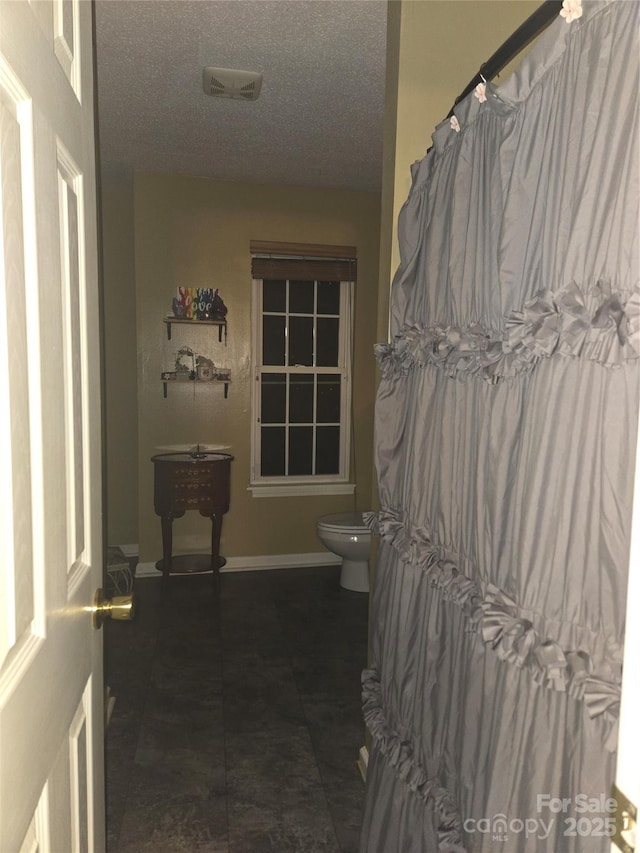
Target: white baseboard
259, 563
363, 762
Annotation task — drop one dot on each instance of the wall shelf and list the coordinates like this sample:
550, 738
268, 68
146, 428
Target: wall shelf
190, 376
221, 324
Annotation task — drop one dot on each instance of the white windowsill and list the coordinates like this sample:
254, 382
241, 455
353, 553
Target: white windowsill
294, 490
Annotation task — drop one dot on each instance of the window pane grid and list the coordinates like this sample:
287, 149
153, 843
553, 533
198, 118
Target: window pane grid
294, 332
269, 383
301, 332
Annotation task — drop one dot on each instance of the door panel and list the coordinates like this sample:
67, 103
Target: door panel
71, 247
15, 530
51, 688
78, 753
65, 34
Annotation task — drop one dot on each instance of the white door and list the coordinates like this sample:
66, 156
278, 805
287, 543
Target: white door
51, 687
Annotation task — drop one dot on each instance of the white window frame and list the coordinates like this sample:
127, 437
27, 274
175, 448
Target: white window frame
300, 485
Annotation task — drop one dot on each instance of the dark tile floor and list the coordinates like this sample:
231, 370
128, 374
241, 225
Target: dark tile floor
237, 721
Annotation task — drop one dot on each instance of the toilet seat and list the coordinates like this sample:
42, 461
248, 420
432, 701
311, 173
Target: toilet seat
349, 523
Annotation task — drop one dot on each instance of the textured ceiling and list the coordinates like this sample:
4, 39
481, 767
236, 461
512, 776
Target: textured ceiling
317, 122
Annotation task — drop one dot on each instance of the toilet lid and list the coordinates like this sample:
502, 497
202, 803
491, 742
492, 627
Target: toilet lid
344, 522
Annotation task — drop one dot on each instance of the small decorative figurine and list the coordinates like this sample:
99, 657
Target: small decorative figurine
185, 363
218, 307
206, 369
179, 310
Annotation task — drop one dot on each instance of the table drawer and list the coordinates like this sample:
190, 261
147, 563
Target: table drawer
191, 473
201, 487
193, 502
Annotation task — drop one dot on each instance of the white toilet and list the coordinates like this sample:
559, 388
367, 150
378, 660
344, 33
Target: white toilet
345, 534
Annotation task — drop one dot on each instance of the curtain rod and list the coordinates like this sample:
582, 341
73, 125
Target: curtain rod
516, 42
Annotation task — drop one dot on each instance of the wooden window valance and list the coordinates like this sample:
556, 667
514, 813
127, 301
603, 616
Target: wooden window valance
302, 261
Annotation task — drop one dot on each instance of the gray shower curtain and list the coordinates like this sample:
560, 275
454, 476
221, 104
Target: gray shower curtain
505, 432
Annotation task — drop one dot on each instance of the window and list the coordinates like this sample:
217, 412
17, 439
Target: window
302, 368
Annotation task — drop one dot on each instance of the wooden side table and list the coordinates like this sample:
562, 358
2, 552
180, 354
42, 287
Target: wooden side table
183, 481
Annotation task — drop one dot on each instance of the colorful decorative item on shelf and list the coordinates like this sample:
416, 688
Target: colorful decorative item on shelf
182, 304
179, 311
203, 303
198, 303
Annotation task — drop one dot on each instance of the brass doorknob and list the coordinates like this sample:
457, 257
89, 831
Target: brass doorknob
120, 607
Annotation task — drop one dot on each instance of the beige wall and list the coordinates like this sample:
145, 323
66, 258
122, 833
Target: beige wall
196, 232
121, 407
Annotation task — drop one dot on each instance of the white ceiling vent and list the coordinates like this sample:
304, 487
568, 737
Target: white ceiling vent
228, 83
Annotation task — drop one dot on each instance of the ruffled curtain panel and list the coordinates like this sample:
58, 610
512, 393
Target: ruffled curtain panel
506, 420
